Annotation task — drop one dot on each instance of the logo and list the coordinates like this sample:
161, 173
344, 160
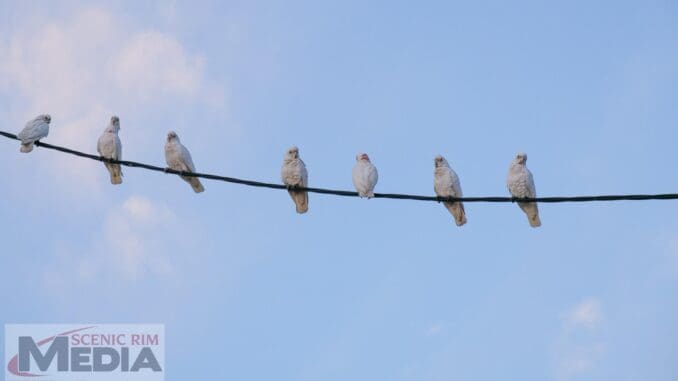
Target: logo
84, 352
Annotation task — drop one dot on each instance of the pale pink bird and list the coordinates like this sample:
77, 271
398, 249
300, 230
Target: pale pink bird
365, 176
35, 129
521, 185
110, 147
293, 174
179, 159
446, 184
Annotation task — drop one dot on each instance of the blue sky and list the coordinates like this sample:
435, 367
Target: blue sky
355, 289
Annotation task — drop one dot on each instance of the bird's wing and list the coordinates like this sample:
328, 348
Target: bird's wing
34, 130
304, 173
531, 190
456, 185
186, 159
100, 144
118, 148
373, 175
356, 176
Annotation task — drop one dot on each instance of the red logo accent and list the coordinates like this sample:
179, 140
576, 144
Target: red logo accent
13, 365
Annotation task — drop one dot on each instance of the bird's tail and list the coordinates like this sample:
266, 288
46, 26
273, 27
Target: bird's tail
532, 211
457, 211
28, 147
300, 200
116, 173
196, 185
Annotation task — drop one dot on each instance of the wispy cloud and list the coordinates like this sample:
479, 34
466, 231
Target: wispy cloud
173, 71
578, 347
586, 314
134, 239
435, 329
579, 359
92, 64
138, 239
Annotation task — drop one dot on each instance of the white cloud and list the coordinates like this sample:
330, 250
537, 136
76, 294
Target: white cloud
173, 71
578, 347
139, 247
577, 359
137, 239
586, 314
168, 10
88, 66
435, 329
134, 237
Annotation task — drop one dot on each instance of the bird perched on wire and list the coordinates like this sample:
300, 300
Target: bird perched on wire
365, 176
293, 175
35, 129
446, 184
179, 159
110, 147
521, 185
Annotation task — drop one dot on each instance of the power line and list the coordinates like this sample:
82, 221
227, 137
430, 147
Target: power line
397, 196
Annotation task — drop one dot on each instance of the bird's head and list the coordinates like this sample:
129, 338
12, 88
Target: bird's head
362, 156
172, 136
521, 158
115, 123
440, 161
46, 118
292, 153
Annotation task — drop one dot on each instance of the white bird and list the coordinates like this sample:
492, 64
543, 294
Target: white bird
34, 130
365, 175
446, 184
110, 147
521, 185
179, 159
293, 174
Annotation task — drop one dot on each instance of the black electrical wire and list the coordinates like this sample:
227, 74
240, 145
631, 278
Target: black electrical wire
397, 196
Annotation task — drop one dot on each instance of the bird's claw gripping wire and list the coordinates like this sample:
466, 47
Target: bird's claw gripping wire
440, 199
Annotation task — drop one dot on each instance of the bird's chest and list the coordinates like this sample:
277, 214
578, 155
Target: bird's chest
108, 144
519, 184
443, 179
363, 172
173, 154
292, 171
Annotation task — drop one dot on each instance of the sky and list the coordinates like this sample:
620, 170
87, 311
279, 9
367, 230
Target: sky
355, 289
